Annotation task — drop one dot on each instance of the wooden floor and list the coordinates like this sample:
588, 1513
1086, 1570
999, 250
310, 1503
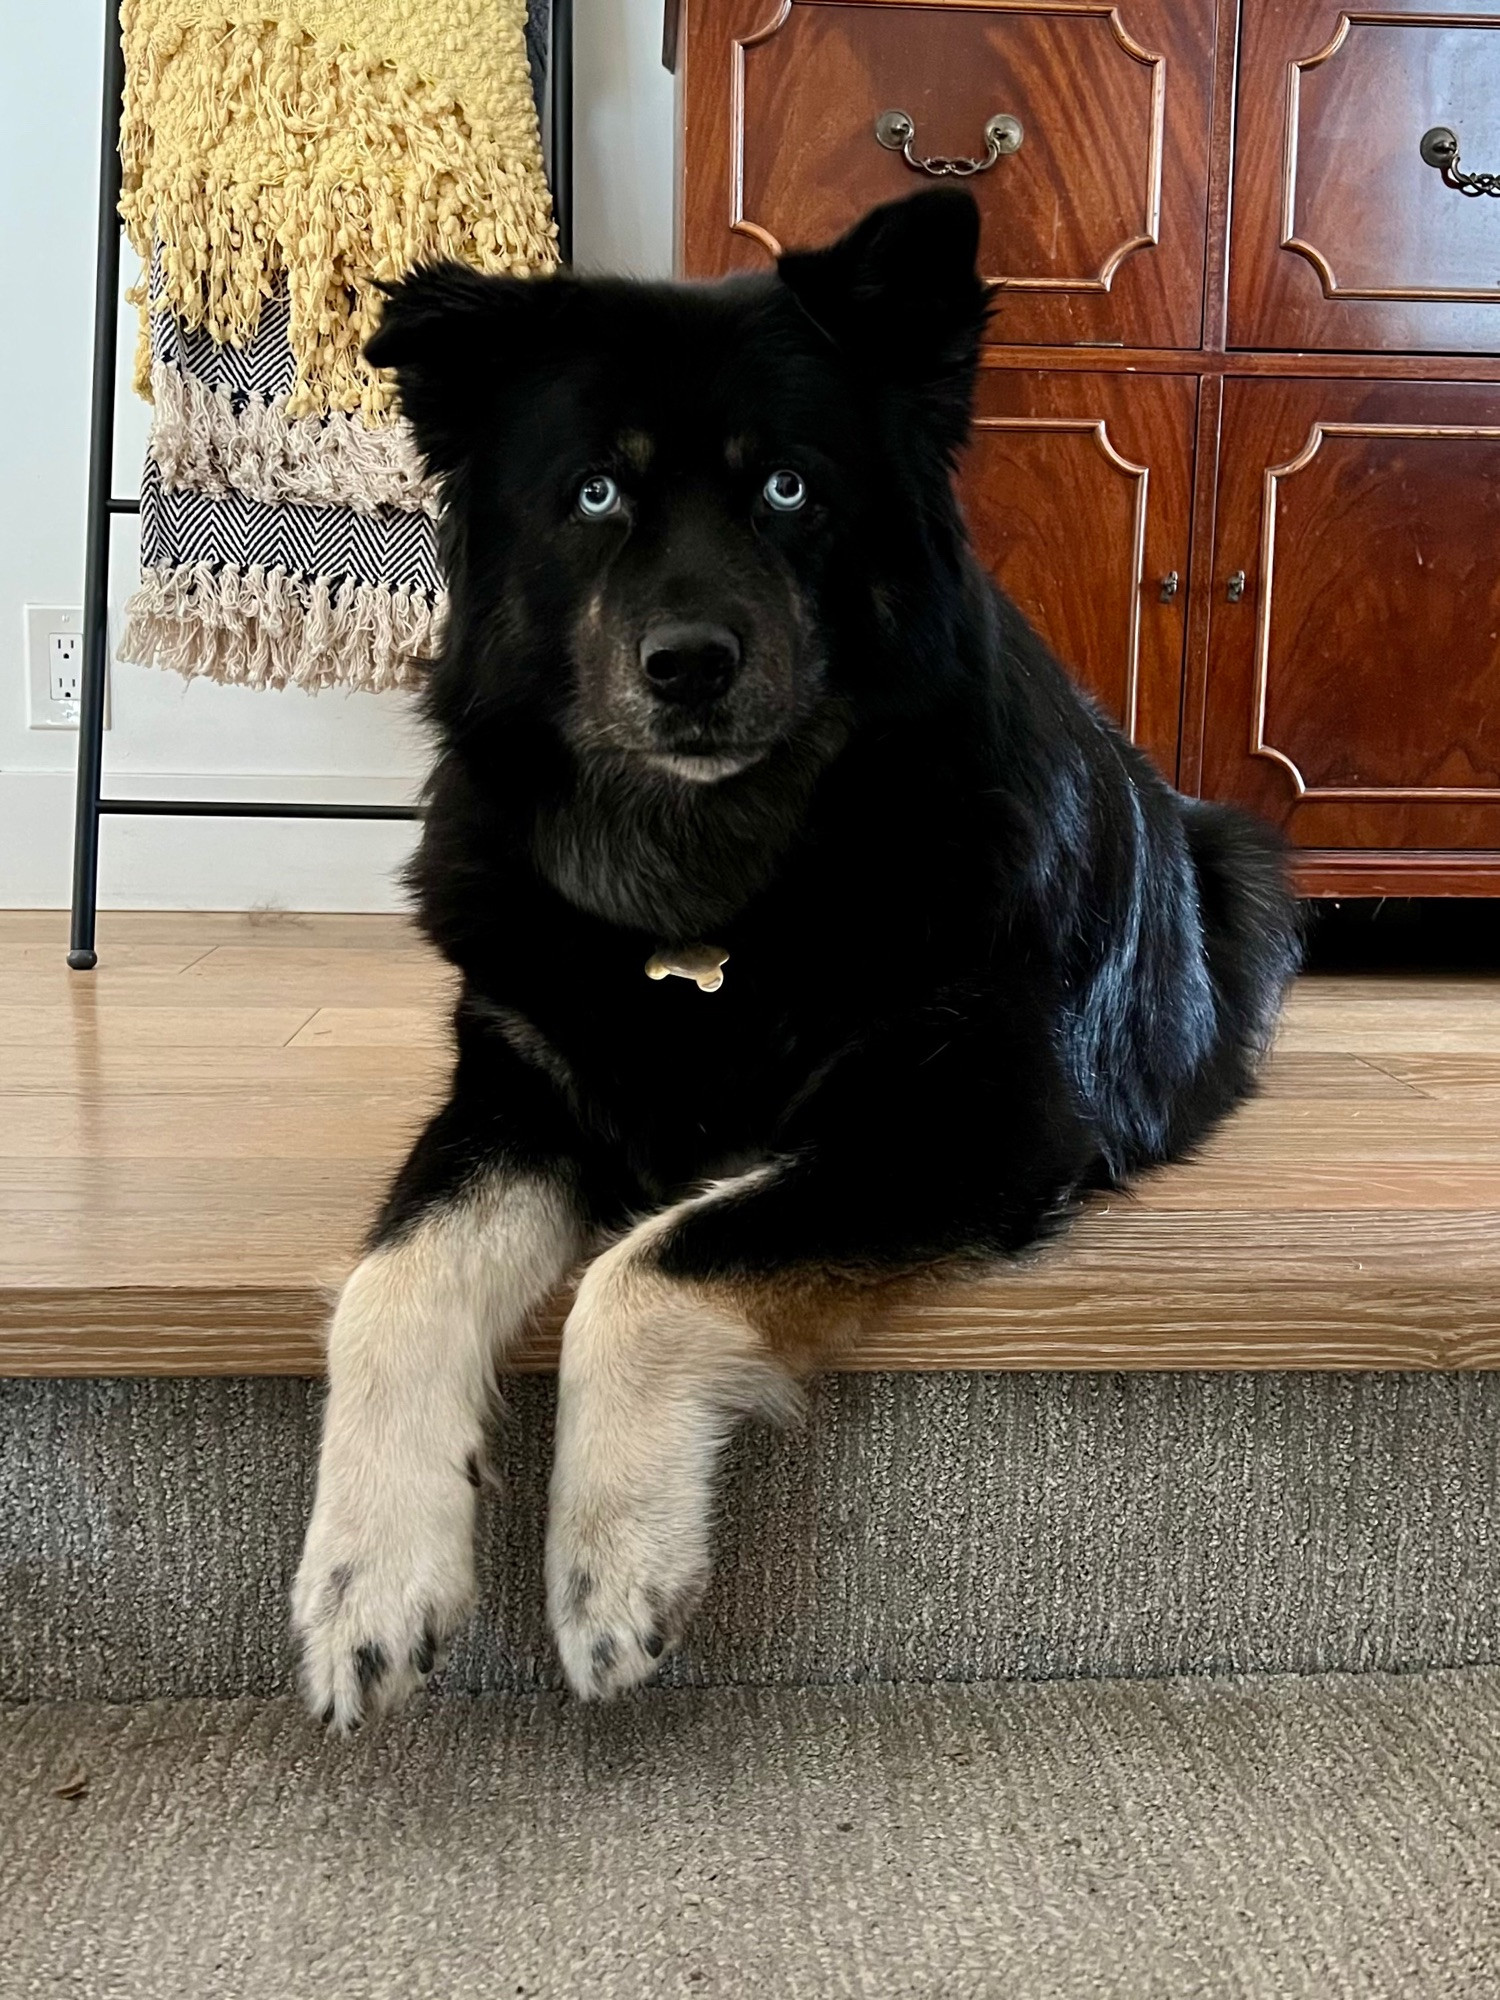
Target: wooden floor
192, 1137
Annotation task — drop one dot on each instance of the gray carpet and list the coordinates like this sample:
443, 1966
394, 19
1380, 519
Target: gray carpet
1274, 1840
921, 1527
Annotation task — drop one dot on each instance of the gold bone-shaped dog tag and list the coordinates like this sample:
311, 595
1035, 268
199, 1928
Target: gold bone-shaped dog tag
702, 962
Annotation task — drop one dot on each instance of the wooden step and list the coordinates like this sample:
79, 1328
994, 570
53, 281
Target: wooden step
194, 1137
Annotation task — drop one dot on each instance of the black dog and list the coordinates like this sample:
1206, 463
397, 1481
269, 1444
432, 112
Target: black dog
725, 693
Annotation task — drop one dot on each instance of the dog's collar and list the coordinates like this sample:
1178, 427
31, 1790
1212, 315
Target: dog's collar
702, 963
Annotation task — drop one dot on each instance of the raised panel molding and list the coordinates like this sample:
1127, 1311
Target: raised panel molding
1321, 259
739, 222
1140, 476
1146, 237
1275, 477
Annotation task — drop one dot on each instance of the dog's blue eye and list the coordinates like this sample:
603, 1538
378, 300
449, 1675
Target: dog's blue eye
598, 496
785, 491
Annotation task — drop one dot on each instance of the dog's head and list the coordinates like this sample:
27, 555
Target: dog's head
679, 518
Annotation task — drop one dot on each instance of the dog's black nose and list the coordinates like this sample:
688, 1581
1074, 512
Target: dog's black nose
689, 663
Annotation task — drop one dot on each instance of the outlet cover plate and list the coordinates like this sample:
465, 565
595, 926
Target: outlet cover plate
44, 622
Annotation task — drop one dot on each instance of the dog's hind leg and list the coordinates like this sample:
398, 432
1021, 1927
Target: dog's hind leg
476, 1234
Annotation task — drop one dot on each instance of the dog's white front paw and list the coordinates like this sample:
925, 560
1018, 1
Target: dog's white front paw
387, 1576
627, 1561
653, 1378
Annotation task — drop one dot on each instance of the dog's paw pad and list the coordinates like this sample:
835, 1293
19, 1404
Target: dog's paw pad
615, 1633
370, 1635
346, 1682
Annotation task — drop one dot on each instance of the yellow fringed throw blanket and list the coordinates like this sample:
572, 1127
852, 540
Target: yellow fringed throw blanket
278, 162
338, 143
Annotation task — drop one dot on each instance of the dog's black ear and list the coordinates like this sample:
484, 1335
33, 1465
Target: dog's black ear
901, 294
452, 334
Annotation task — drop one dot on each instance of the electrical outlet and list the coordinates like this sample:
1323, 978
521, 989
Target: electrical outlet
65, 666
54, 668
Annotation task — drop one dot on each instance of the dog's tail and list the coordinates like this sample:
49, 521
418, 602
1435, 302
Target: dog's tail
1252, 926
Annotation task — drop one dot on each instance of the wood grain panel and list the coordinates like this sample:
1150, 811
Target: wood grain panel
1093, 230
266, 1222
370, 1028
326, 1071
1340, 1077
25, 1026
1078, 492
1432, 1015
1371, 501
1367, 1289
1212, 364
1343, 236
1389, 872
149, 1223
1352, 689
1466, 1079
1165, 1324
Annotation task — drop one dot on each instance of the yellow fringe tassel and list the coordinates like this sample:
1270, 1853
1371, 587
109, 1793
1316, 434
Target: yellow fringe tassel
254, 152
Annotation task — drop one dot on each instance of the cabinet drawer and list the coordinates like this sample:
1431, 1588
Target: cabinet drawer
1343, 235
1093, 227
1354, 650
1078, 492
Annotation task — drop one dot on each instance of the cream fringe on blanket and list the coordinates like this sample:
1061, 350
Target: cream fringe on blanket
308, 148
261, 628
201, 440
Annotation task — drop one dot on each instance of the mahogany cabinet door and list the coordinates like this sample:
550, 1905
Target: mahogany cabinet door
1353, 687
1093, 227
1078, 493
1342, 235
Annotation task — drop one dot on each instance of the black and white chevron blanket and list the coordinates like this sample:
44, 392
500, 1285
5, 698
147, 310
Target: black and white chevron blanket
277, 549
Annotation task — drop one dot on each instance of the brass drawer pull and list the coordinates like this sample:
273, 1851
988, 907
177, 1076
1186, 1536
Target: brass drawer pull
897, 132
1439, 149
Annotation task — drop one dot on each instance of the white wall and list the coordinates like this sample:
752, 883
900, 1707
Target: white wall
623, 139
171, 737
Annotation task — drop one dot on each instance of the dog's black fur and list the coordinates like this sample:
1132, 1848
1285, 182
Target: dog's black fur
981, 956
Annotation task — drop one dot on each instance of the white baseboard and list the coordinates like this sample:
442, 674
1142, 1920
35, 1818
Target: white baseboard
206, 864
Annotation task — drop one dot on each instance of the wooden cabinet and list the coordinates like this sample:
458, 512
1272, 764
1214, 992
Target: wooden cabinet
1344, 237
1091, 475
1295, 412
